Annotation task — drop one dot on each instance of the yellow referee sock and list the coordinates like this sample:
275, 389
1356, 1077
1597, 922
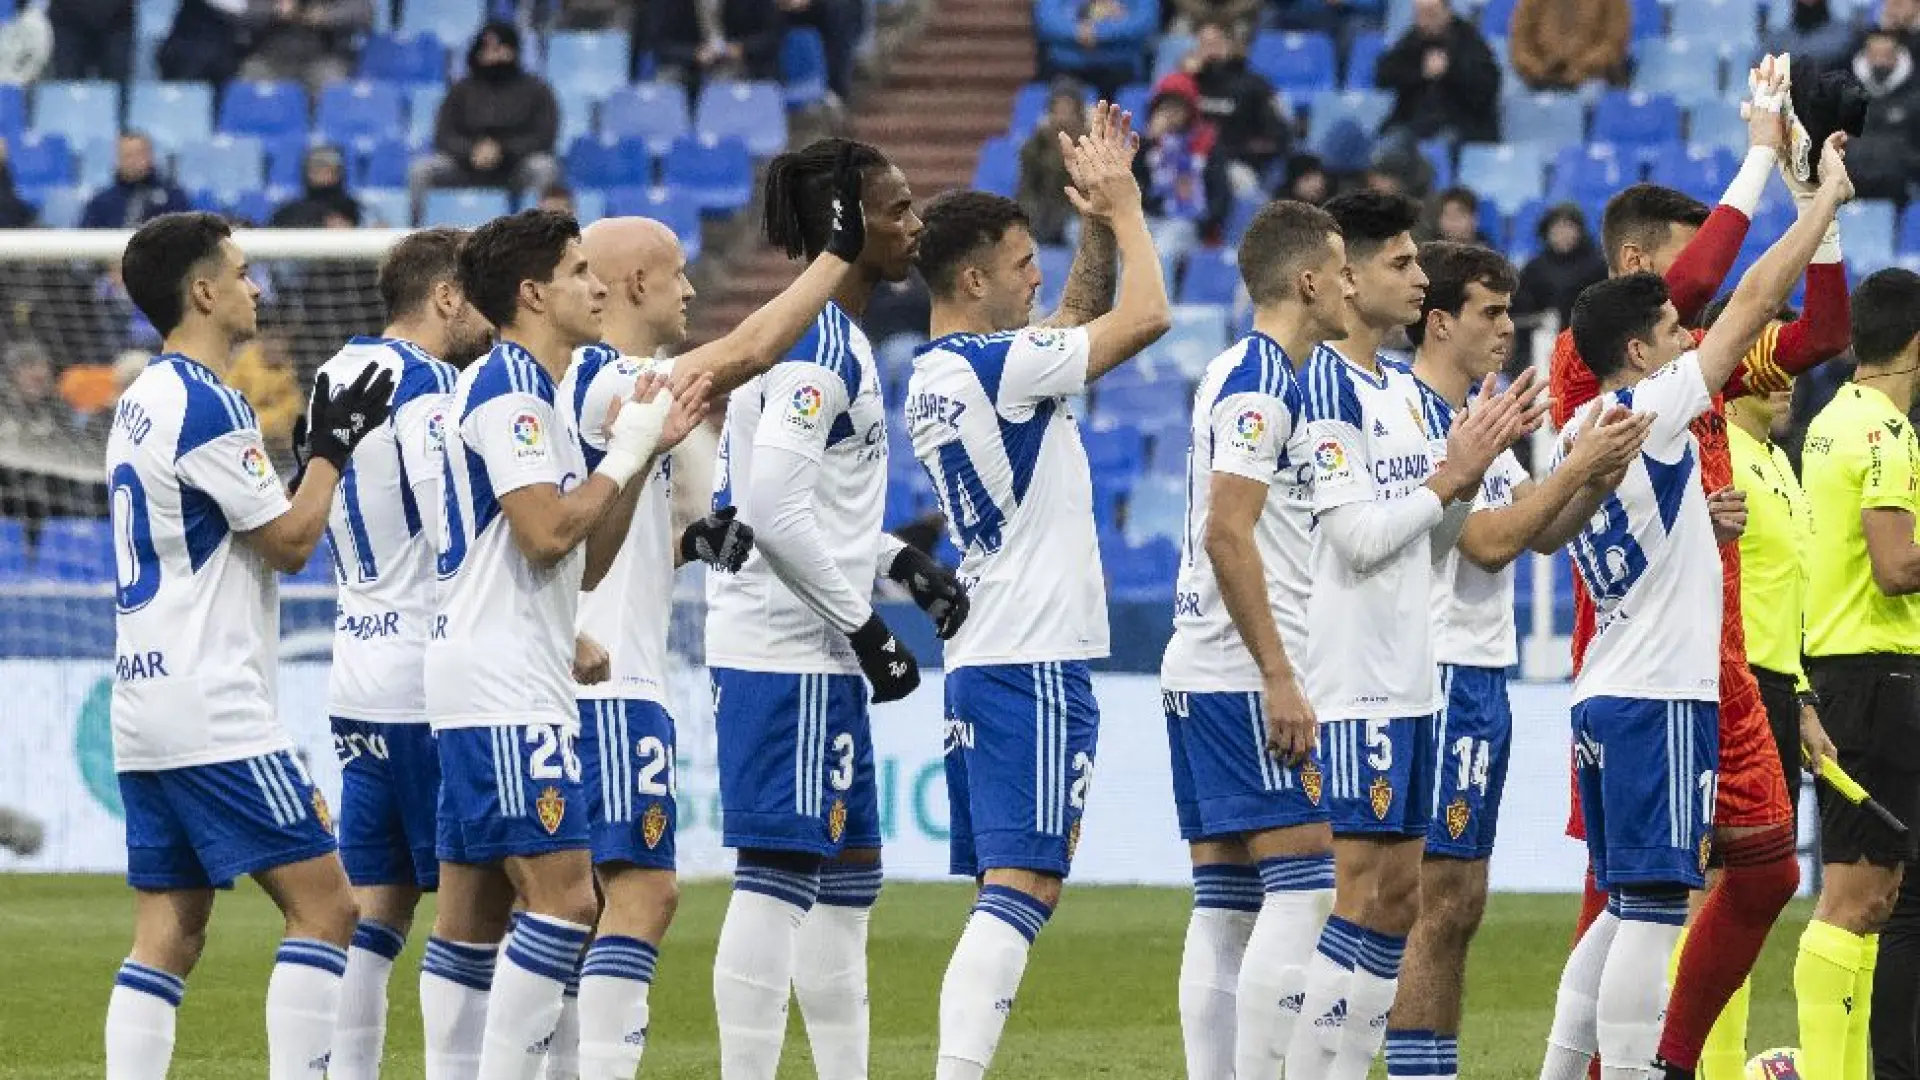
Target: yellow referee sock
1825, 975
1859, 1044
1724, 1057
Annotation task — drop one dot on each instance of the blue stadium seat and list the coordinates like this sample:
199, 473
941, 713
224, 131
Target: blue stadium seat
351, 109
1198, 334
803, 67
589, 204
76, 550
597, 60
1523, 229
13, 550
1030, 107
603, 161
1168, 54
577, 108
13, 112
388, 206
652, 111
1648, 20
154, 16
753, 112
1241, 216
998, 167
1054, 263
1115, 451
1439, 157
1635, 118
1134, 98
1211, 277
716, 174
1363, 109
1583, 173
1134, 391
1688, 72
1496, 16
1867, 230
1157, 506
253, 207
263, 108
452, 21
1505, 175
669, 206
286, 160
60, 207
42, 160
1910, 233
1363, 57
423, 105
465, 208
1717, 125
1296, 64
1144, 571
172, 114
99, 157
408, 59
1731, 25
1700, 171
378, 161
1168, 439
224, 163
78, 110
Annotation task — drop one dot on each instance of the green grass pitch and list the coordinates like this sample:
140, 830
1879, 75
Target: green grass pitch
1098, 1000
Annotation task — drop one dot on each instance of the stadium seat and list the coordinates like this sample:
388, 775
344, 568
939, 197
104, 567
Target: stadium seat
1363, 57
1143, 572
1030, 107
604, 161
172, 114
1523, 229
1496, 17
578, 106
1157, 507
263, 108
753, 112
423, 105
1635, 118
79, 110
1115, 451
1717, 125
1583, 173
152, 17
655, 112
407, 59
1134, 98
1241, 215
452, 21
224, 163
253, 207
76, 550
388, 206
1438, 154
349, 110
1135, 390
803, 67
42, 160
1360, 111
1505, 175
13, 112
671, 207
1298, 65
1909, 243
1169, 53
1198, 334
716, 174
1054, 263
1731, 25
1648, 20
1688, 72
1867, 230
998, 167
589, 204
377, 162
60, 207
99, 158
1700, 171
596, 60
13, 550
286, 160
465, 208
1211, 277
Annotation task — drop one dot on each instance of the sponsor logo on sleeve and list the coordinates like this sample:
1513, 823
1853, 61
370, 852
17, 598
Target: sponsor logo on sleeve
805, 407
529, 442
1330, 462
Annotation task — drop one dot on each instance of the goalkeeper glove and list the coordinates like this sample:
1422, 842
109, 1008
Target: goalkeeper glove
336, 421
934, 587
847, 229
720, 540
888, 665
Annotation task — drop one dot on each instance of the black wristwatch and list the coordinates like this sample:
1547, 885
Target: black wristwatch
1809, 700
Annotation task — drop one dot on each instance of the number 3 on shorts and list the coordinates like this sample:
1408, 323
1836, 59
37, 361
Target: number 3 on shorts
840, 777
548, 740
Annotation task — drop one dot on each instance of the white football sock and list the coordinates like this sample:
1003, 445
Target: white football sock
541, 955
563, 1049
983, 978
303, 1002
1572, 1042
1210, 971
1322, 1022
753, 966
1273, 975
454, 987
140, 1020
830, 970
360, 1034
614, 981
1633, 993
1376, 978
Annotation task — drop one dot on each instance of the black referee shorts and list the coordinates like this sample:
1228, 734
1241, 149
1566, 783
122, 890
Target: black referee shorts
1870, 705
1782, 702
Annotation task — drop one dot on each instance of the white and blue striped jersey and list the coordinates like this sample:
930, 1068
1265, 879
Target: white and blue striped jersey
1248, 421
197, 626
382, 529
1370, 652
1473, 623
502, 645
1648, 555
631, 610
991, 422
823, 401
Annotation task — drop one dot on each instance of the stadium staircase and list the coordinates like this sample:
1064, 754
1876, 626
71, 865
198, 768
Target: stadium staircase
941, 89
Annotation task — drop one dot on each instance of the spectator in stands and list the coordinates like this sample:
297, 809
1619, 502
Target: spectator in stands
1568, 262
1810, 30
1341, 18
325, 204
31, 411
558, 198
1183, 186
264, 373
1306, 180
1043, 171
311, 41
1456, 217
1237, 101
204, 42
1444, 77
1885, 159
496, 127
1238, 15
15, 212
1100, 42
695, 40
1902, 17
138, 193
1561, 44
840, 23
92, 39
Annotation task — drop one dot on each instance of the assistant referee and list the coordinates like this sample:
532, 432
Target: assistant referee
1861, 470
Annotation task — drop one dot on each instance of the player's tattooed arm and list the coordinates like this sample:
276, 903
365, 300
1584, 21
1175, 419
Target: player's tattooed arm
1091, 279
1101, 167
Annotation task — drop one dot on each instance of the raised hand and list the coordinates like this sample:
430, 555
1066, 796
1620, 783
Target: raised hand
1608, 442
1100, 164
339, 419
1833, 168
691, 403
1769, 105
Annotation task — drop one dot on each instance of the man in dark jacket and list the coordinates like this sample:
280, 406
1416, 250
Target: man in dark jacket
696, 40
1237, 100
326, 204
1445, 79
137, 194
92, 39
496, 127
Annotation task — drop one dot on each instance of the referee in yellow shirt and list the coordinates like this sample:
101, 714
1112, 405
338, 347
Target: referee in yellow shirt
1861, 469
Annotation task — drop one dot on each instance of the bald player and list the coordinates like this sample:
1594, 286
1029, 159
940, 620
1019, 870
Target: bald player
627, 736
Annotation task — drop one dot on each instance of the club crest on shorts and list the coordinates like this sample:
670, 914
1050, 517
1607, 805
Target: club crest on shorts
837, 820
1458, 813
551, 806
320, 812
653, 825
1706, 850
1073, 839
1380, 795
1311, 781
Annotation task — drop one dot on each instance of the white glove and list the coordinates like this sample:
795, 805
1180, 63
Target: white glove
633, 436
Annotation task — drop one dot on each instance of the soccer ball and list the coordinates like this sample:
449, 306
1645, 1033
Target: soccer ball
1778, 1064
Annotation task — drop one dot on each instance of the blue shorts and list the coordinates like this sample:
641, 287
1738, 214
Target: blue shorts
1224, 781
1648, 773
796, 762
626, 767
1020, 745
1381, 775
202, 826
1471, 754
510, 791
389, 788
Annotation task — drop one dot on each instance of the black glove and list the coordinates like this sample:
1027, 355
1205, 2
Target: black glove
934, 587
847, 227
888, 665
338, 420
719, 540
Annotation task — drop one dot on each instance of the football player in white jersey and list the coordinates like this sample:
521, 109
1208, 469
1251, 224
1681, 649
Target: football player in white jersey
1646, 699
1248, 775
627, 745
1464, 334
988, 409
382, 528
211, 788
525, 526
1382, 479
804, 456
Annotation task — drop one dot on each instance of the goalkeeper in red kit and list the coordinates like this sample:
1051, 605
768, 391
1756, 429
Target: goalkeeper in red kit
1650, 228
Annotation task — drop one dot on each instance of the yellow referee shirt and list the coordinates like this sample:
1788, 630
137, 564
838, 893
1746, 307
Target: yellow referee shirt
1773, 553
1860, 454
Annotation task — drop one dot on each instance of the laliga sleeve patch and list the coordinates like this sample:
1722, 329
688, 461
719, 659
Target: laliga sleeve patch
1330, 463
1248, 429
258, 470
436, 432
1046, 338
529, 441
805, 408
